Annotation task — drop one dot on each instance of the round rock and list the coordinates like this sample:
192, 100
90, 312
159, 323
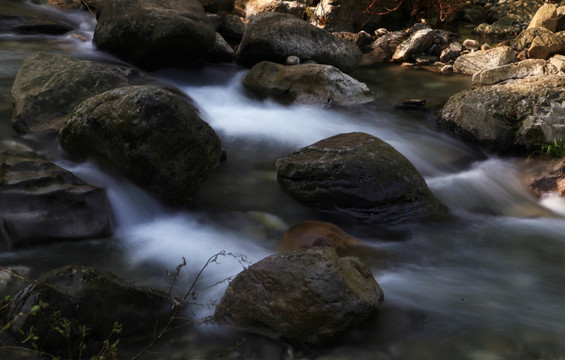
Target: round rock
308, 295
357, 176
150, 134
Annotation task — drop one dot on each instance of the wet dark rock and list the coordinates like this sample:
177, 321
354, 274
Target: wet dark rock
221, 52
154, 34
30, 25
48, 87
308, 295
153, 136
41, 203
215, 6
322, 85
275, 36
312, 233
232, 27
357, 176
85, 297
74, 4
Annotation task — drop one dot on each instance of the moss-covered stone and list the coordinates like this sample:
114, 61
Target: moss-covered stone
357, 176
309, 295
151, 135
84, 297
48, 87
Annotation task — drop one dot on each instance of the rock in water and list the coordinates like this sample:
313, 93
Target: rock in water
154, 34
84, 297
508, 117
42, 203
48, 87
357, 176
150, 134
322, 85
308, 295
312, 233
275, 36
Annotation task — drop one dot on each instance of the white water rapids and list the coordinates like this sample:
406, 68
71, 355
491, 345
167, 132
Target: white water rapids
485, 284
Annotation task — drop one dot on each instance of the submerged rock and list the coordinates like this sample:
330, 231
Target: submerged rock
508, 117
41, 203
154, 34
150, 134
312, 233
275, 36
75, 297
48, 87
322, 85
308, 295
357, 176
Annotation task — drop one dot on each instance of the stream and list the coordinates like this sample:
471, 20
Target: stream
488, 283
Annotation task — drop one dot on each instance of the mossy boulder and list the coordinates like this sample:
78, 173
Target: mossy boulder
72, 297
307, 295
275, 36
310, 84
154, 34
41, 203
48, 87
357, 176
153, 136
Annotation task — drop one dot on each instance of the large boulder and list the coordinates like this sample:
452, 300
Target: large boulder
154, 34
357, 176
153, 136
60, 305
41, 203
322, 85
312, 233
508, 117
308, 295
519, 70
539, 43
484, 59
48, 87
276, 36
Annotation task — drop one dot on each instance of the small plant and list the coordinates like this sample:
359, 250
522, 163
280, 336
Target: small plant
555, 150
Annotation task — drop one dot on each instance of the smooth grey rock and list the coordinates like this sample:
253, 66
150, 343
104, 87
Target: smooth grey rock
322, 85
42, 203
519, 70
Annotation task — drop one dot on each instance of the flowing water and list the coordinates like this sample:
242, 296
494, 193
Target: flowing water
485, 284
